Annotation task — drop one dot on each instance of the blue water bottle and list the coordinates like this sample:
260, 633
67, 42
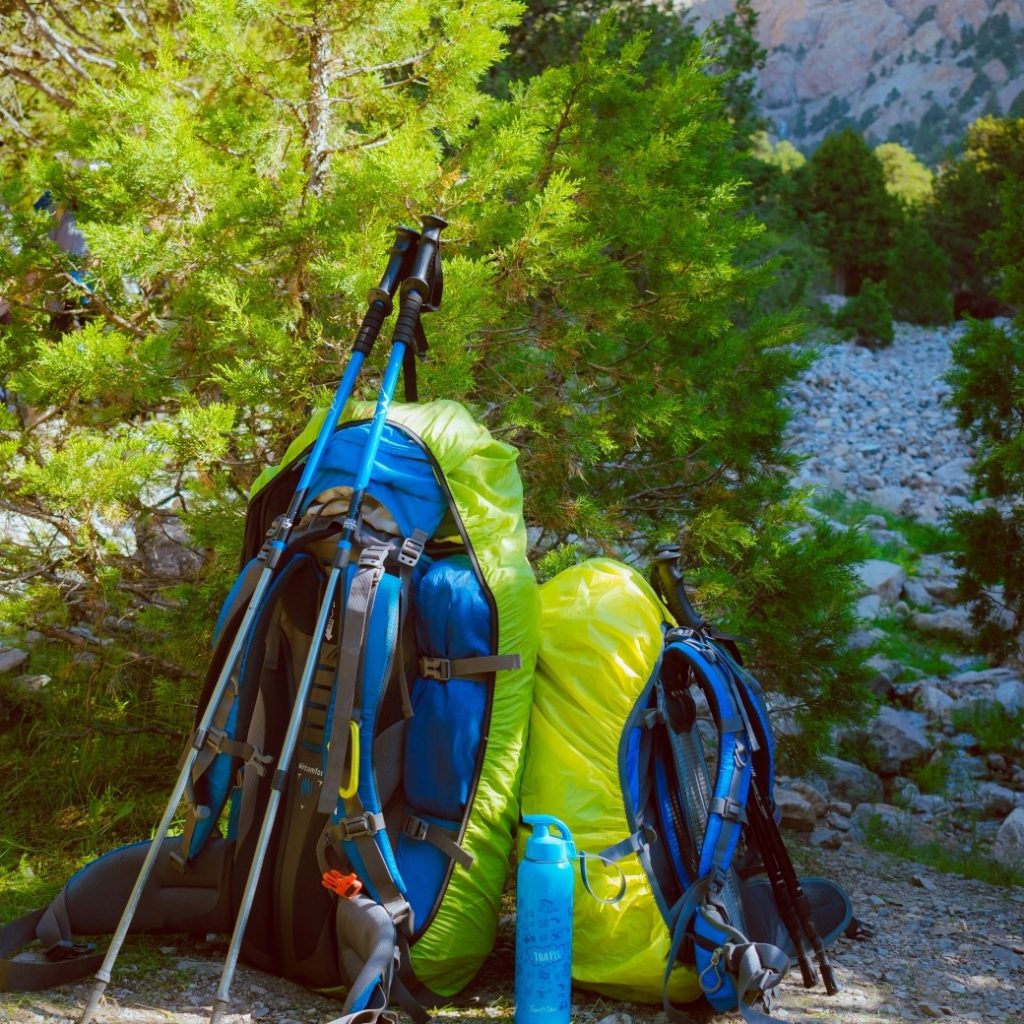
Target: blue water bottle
544, 887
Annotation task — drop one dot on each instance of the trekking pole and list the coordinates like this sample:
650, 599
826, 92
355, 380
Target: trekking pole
379, 306
799, 899
416, 290
783, 899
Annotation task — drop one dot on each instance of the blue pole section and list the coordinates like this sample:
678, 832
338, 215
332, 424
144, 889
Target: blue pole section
341, 398
379, 307
305, 686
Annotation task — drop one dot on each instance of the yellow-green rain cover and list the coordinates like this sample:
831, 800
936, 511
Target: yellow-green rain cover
482, 476
600, 640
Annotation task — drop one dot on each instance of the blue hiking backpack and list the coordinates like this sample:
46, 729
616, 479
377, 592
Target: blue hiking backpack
384, 877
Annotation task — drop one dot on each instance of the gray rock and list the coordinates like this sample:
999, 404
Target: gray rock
965, 741
1011, 695
891, 818
852, 782
30, 685
949, 620
935, 703
882, 578
928, 803
997, 801
1008, 848
12, 658
869, 607
797, 813
942, 589
915, 593
898, 738
812, 795
838, 821
842, 807
826, 839
905, 792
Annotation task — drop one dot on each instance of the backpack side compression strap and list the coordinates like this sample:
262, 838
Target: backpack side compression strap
30, 976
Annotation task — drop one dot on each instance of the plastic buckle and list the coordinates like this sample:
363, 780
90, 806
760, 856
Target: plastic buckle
345, 886
415, 828
373, 558
436, 668
214, 739
259, 761
409, 553
357, 828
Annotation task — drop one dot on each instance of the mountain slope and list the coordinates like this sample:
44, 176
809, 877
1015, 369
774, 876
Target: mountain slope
910, 71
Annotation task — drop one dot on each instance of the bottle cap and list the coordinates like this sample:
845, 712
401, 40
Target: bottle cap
546, 848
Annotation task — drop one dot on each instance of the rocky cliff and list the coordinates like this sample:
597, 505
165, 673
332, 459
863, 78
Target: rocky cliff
909, 71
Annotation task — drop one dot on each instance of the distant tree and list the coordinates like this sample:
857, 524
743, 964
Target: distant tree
917, 280
782, 154
551, 33
868, 316
855, 216
906, 177
967, 208
740, 56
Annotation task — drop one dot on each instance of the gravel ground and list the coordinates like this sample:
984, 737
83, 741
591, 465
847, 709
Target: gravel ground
943, 948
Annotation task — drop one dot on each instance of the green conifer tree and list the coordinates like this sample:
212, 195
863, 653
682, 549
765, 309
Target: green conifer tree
856, 217
236, 189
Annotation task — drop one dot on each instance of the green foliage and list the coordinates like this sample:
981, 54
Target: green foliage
917, 281
856, 217
237, 192
906, 177
868, 315
551, 32
988, 393
997, 730
967, 210
933, 775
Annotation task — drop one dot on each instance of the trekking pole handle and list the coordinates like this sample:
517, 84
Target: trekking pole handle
667, 577
418, 286
403, 252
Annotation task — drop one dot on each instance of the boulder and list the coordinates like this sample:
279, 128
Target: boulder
812, 795
935, 703
869, 607
853, 783
898, 738
892, 819
1008, 848
826, 839
997, 801
797, 812
915, 594
949, 620
1011, 695
885, 579
11, 658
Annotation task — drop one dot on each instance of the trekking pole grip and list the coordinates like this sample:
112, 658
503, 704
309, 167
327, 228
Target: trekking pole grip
403, 252
418, 286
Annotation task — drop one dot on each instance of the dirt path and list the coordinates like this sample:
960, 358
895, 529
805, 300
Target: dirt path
943, 948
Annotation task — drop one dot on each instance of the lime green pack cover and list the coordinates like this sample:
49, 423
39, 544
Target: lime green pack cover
600, 641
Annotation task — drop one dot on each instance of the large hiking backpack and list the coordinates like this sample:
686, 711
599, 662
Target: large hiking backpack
616, 703
396, 829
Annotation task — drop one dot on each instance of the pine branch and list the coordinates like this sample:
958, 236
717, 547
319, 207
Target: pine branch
29, 79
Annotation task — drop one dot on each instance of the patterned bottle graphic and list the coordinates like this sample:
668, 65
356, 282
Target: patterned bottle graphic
544, 892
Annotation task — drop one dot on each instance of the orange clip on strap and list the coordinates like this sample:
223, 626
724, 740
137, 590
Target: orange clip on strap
345, 886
